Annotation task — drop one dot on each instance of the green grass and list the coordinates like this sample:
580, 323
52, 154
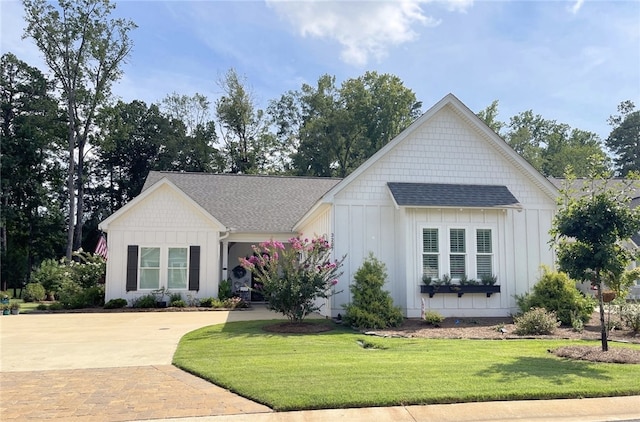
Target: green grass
342, 368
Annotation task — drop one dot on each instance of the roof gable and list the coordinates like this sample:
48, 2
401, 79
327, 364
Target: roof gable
250, 203
147, 193
473, 122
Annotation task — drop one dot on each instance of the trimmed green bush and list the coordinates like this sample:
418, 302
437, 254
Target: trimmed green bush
556, 292
433, 318
116, 304
34, 292
207, 302
536, 321
178, 303
146, 301
372, 307
224, 290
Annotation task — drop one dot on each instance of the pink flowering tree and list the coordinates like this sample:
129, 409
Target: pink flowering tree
293, 277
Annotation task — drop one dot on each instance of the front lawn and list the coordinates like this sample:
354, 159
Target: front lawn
342, 368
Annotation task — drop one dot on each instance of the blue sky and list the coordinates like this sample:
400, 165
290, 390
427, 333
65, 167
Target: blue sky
571, 61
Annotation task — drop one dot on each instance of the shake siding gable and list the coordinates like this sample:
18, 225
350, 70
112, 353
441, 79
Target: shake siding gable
162, 218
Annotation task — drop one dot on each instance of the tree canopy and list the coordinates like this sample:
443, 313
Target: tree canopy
624, 140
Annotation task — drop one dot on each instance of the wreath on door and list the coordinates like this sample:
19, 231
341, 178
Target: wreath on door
239, 271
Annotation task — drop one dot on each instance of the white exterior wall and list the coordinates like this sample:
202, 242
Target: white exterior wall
163, 219
445, 149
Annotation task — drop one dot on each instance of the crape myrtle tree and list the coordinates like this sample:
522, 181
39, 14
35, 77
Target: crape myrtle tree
84, 48
588, 229
293, 278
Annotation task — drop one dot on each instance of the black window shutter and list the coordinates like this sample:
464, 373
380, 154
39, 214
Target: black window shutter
132, 268
194, 268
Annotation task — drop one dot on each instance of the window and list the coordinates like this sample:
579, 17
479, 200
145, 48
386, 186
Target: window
484, 253
457, 255
430, 256
149, 268
177, 268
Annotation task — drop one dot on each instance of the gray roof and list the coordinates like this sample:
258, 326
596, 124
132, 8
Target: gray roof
249, 203
451, 195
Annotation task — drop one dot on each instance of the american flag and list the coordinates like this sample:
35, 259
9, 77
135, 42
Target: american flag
101, 247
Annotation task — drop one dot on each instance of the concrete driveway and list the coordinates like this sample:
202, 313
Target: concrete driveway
116, 367
103, 340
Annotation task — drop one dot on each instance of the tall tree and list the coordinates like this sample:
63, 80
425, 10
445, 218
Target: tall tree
588, 229
339, 128
490, 116
32, 132
84, 48
247, 143
546, 144
624, 139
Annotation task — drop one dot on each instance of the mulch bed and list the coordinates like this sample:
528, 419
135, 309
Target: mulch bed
503, 328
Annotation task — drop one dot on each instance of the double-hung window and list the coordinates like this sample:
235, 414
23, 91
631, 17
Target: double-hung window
457, 253
177, 268
430, 253
149, 268
484, 253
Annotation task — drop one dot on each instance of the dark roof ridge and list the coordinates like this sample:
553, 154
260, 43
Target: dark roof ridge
274, 176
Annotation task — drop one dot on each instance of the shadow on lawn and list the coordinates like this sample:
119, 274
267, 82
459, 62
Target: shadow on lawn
248, 329
556, 371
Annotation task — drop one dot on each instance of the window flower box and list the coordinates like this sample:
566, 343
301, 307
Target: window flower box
460, 290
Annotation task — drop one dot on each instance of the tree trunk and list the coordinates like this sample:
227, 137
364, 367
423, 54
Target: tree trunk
603, 325
70, 180
77, 243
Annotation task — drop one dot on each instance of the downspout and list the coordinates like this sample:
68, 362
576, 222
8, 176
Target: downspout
225, 254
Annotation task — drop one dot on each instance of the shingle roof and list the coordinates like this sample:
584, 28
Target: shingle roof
451, 195
249, 203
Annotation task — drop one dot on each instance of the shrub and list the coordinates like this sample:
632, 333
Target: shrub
536, 321
115, 304
630, 315
174, 297
371, 307
294, 278
146, 301
234, 303
178, 303
207, 302
70, 295
42, 307
56, 306
88, 269
224, 290
51, 274
33, 292
433, 318
556, 292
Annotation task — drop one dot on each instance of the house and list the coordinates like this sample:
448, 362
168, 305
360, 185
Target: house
446, 196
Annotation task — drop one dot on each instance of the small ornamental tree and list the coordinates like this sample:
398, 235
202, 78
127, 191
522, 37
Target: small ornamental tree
293, 278
372, 307
587, 230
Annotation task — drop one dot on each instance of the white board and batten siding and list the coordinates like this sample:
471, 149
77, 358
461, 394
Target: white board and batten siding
162, 219
446, 148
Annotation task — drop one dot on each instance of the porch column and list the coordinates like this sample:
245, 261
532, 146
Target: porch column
225, 260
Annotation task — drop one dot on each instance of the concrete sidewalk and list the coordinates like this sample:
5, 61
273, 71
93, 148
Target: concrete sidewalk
117, 367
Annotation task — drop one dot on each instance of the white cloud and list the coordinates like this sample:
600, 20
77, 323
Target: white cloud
364, 29
576, 6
